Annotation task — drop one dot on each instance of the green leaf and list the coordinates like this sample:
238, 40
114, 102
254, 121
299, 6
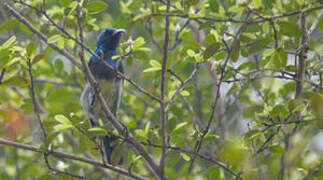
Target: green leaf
320, 24
96, 131
252, 134
73, 6
141, 133
228, 76
43, 148
117, 153
156, 66
147, 127
190, 53
9, 24
62, 119
31, 48
235, 51
290, 29
37, 58
141, 15
276, 149
155, 63
214, 5
257, 3
51, 137
152, 69
236, 9
185, 157
9, 42
259, 45
317, 107
279, 110
60, 127
64, 3
138, 43
20, 81
278, 59
194, 2
214, 172
300, 2
95, 7
220, 55
211, 50
185, 93
54, 38
144, 49
178, 126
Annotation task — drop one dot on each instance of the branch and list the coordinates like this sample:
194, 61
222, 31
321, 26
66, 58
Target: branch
72, 157
57, 83
255, 21
163, 111
32, 94
2, 74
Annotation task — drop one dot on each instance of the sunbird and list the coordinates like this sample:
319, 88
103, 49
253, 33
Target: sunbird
109, 83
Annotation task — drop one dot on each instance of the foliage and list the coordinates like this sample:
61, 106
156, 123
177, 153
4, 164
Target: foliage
237, 102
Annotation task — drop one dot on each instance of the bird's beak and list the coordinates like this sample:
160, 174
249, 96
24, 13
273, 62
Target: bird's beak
119, 31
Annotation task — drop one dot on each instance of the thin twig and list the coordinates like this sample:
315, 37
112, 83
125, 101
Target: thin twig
2, 74
32, 94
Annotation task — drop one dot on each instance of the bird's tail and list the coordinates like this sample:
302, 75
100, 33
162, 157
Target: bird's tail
112, 150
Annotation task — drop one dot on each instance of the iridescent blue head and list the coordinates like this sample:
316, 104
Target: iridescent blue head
108, 42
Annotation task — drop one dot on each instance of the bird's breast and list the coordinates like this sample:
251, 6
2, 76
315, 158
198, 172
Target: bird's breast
101, 71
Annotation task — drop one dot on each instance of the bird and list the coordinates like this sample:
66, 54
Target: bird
110, 85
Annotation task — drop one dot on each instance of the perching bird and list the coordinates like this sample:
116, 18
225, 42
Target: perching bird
110, 85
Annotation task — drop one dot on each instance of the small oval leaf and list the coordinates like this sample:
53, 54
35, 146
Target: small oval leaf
211, 50
95, 7
38, 58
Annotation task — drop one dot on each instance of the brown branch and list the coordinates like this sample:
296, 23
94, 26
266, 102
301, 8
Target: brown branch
33, 97
71, 157
57, 83
255, 21
163, 111
2, 74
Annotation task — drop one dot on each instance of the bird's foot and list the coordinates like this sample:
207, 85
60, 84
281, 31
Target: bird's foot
97, 87
125, 131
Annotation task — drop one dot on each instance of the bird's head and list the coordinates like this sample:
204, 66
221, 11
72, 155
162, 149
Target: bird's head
110, 38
